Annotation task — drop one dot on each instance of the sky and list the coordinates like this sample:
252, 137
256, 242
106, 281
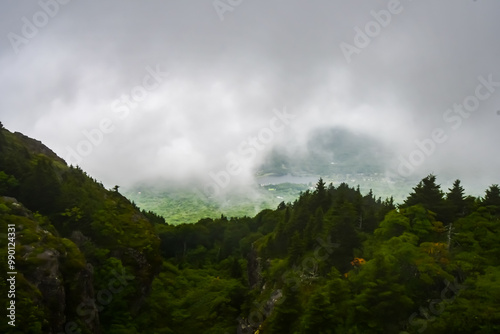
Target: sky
200, 90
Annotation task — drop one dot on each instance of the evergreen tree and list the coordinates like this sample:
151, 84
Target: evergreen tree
455, 200
428, 194
320, 199
492, 196
296, 249
327, 310
344, 232
41, 189
320, 187
286, 314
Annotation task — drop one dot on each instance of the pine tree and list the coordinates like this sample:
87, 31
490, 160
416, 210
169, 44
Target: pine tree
455, 200
320, 199
320, 187
296, 249
286, 313
429, 195
41, 188
492, 196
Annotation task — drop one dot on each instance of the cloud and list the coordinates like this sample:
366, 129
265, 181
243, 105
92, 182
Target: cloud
226, 77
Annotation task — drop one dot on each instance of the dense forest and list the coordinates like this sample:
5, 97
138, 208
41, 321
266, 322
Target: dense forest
333, 261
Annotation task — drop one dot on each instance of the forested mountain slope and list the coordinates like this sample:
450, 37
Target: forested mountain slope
333, 261
76, 243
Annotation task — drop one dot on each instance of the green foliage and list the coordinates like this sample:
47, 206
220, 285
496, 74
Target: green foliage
331, 260
191, 301
78, 222
327, 308
429, 194
285, 316
492, 198
8, 183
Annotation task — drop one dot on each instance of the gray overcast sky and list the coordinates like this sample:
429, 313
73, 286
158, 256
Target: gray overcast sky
65, 67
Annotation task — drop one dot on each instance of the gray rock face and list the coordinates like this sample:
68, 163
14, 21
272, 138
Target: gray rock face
43, 268
48, 279
254, 268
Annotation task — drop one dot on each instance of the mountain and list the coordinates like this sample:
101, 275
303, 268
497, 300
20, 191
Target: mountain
84, 259
329, 152
76, 242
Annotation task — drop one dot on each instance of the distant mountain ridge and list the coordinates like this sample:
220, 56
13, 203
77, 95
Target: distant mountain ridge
327, 152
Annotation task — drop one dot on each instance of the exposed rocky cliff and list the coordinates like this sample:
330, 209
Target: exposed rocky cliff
50, 270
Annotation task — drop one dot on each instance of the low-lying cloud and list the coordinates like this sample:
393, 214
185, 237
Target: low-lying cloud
225, 78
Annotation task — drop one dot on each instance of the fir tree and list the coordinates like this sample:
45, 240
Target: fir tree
456, 200
428, 194
492, 196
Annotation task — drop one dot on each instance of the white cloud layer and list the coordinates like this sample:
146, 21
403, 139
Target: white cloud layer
62, 77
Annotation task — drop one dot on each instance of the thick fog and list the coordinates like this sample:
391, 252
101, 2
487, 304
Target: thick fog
181, 90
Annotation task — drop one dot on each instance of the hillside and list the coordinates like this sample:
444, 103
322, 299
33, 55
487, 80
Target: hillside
334, 260
72, 236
